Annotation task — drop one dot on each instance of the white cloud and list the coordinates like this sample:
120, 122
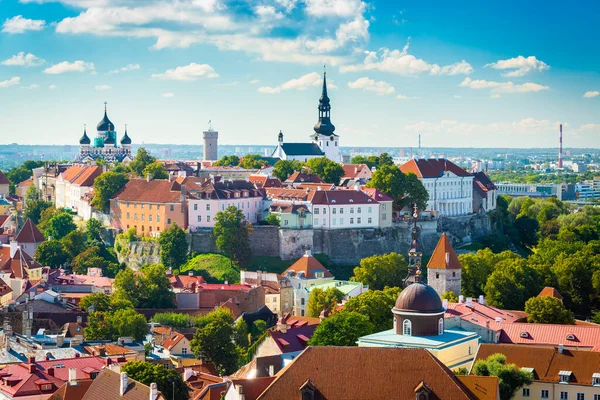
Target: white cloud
302, 83
268, 13
190, 72
65, 66
503, 87
103, 87
450, 127
24, 60
168, 94
402, 63
519, 66
32, 86
254, 81
15, 80
589, 95
334, 8
127, 68
379, 87
590, 127
52, 87
403, 97
288, 5
18, 24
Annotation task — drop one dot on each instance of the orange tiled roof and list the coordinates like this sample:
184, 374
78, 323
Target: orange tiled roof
352, 170
550, 292
308, 265
82, 175
438, 258
155, 191
170, 342
482, 387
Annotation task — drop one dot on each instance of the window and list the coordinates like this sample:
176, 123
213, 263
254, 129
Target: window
150, 218
169, 221
195, 206
596, 379
46, 387
370, 209
351, 210
334, 222
406, 327
184, 350
285, 222
341, 221
142, 205
580, 396
564, 376
525, 392
143, 217
150, 207
135, 217
470, 350
341, 210
564, 396
441, 326
324, 211
316, 221
358, 220
208, 218
316, 211
370, 220
333, 210
199, 218
358, 209
127, 215
351, 220
437, 275
383, 217
454, 274
302, 313
597, 397
544, 394
158, 218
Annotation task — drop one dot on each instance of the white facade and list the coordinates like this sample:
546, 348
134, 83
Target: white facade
301, 293
330, 145
201, 212
450, 195
73, 196
345, 216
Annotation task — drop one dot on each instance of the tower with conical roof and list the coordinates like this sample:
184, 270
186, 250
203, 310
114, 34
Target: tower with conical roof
324, 134
444, 269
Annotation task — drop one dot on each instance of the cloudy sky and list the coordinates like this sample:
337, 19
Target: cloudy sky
462, 74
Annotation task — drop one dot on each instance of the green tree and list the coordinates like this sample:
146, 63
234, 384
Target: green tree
92, 257
284, 168
175, 320
168, 381
450, 296
403, 189
32, 195
59, 225
341, 329
329, 171
34, 210
99, 326
127, 286
273, 219
240, 332
129, 323
156, 170
320, 300
173, 247
376, 306
141, 160
227, 161
105, 187
511, 284
213, 341
93, 230
74, 243
50, 253
477, 267
252, 161
155, 287
231, 233
95, 302
385, 159
510, 377
547, 310
415, 192
380, 271
527, 228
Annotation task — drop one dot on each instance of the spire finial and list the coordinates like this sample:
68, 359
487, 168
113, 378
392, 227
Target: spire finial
84, 128
324, 69
125, 128
105, 103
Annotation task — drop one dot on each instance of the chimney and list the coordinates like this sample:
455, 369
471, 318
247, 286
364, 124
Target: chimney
60, 341
148, 177
108, 361
470, 302
445, 303
123, 387
481, 300
13, 248
461, 299
153, 391
50, 371
561, 348
47, 357
190, 273
77, 355
31, 365
72, 376
79, 319
187, 374
307, 253
447, 258
271, 370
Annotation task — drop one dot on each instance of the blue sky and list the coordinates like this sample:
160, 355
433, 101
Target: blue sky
461, 74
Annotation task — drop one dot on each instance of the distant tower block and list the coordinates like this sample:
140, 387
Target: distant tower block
211, 145
560, 150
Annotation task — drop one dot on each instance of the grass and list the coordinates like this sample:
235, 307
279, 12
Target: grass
214, 268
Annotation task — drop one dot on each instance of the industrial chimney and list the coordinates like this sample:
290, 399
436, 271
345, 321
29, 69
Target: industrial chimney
560, 160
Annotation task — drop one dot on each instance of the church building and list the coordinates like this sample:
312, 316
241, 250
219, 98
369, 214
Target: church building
105, 144
325, 142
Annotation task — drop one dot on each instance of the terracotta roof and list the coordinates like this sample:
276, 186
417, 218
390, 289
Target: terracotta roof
17, 264
223, 286
548, 362
574, 336
288, 194
443, 256
107, 385
352, 170
72, 392
287, 208
29, 233
25, 183
550, 292
172, 341
226, 190
155, 191
299, 177
185, 281
3, 179
366, 373
432, 168
265, 181
4, 288
316, 186
482, 387
482, 314
376, 194
108, 349
342, 197
295, 338
308, 265
252, 388
81, 175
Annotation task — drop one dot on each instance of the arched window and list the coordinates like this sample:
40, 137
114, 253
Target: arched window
437, 275
441, 326
407, 327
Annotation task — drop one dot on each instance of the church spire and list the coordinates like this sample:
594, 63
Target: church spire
324, 125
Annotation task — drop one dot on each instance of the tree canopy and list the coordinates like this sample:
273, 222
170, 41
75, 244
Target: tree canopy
376, 305
547, 310
59, 225
105, 187
510, 377
404, 189
173, 247
141, 160
169, 381
320, 300
341, 329
214, 341
380, 271
156, 170
329, 171
231, 233
284, 168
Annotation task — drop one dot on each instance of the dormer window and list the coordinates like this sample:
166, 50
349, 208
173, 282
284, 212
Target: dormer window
596, 379
524, 334
564, 376
570, 336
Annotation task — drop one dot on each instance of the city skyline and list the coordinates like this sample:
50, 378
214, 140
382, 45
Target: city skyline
466, 75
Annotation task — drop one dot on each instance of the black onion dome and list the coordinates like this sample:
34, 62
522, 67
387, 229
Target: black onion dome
420, 298
85, 139
105, 125
125, 139
109, 140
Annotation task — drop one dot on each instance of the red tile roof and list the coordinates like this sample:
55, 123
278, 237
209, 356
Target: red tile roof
29, 233
155, 191
186, 281
298, 177
432, 168
252, 388
265, 181
342, 197
17, 264
444, 256
550, 292
308, 265
223, 286
573, 336
81, 175
482, 314
172, 341
352, 170
293, 340
25, 183
376, 194
108, 384
3, 179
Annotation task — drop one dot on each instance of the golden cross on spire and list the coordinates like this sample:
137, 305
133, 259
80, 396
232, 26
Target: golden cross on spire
324, 69
105, 103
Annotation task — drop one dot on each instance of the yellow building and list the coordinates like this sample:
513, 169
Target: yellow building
558, 373
419, 323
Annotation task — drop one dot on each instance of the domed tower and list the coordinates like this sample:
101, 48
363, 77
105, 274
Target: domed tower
126, 142
324, 134
84, 142
418, 311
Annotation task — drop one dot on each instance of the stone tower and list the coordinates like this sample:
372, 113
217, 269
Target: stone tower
444, 269
211, 145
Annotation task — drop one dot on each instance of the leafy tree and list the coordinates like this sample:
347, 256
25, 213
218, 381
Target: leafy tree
74, 243
510, 377
341, 329
45, 217
547, 310
385, 159
259, 327
60, 225
527, 228
476, 268
93, 230
34, 210
32, 195
284, 168
415, 192
273, 219
376, 306
95, 302
320, 300
380, 271
227, 161
155, 288
173, 247
99, 326
168, 381
127, 286
92, 257
450, 296
141, 160
213, 341
574, 275
50, 253
129, 323
328, 170
156, 170
241, 333
231, 233
175, 320
252, 161
511, 284
374, 161
105, 187
403, 189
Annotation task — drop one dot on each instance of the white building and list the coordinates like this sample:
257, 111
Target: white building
450, 187
73, 185
344, 209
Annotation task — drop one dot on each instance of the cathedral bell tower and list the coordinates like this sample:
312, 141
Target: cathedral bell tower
324, 134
